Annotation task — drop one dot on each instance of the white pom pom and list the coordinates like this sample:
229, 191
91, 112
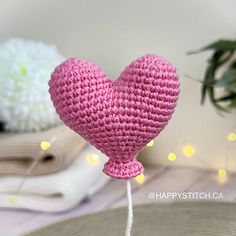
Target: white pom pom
25, 69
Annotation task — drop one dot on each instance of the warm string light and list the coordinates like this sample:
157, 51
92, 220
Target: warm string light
93, 158
12, 200
140, 178
188, 150
171, 156
45, 145
150, 144
222, 175
231, 137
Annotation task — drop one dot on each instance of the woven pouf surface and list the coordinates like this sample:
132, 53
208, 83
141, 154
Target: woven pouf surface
172, 219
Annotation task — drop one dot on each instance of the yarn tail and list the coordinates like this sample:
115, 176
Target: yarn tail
130, 210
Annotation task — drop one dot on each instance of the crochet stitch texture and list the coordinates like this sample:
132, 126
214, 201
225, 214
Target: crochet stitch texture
117, 117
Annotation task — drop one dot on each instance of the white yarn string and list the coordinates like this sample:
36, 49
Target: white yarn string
130, 210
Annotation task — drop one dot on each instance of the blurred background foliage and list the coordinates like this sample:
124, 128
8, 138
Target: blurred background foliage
220, 75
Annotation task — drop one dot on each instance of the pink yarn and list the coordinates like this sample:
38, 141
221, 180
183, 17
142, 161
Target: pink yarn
117, 117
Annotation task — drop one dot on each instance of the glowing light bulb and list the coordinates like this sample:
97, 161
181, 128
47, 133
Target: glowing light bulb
222, 173
12, 200
188, 150
222, 176
45, 145
93, 158
150, 144
171, 156
231, 136
140, 178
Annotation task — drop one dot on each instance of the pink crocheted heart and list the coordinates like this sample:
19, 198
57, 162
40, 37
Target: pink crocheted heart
117, 117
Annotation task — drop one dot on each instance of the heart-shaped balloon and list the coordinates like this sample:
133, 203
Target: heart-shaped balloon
117, 117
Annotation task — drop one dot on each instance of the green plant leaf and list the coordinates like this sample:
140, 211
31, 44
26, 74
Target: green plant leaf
217, 45
233, 65
223, 53
209, 77
233, 103
231, 87
1, 126
226, 97
221, 45
228, 78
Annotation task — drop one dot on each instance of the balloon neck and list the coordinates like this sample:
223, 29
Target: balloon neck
123, 170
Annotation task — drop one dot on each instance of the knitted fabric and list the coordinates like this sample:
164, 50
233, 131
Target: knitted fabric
117, 117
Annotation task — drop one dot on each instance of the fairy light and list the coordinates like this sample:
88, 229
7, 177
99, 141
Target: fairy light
45, 145
171, 156
140, 178
12, 200
93, 158
231, 136
188, 150
222, 173
150, 144
222, 176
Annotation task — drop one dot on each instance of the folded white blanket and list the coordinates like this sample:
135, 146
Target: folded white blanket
55, 192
